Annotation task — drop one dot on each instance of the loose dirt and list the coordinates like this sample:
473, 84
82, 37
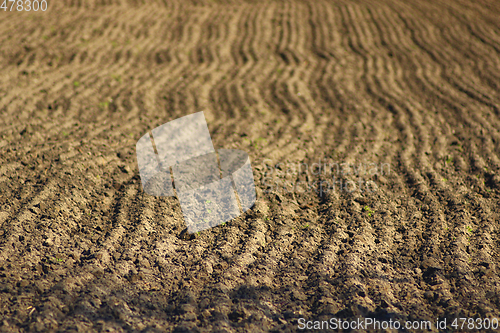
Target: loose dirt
407, 92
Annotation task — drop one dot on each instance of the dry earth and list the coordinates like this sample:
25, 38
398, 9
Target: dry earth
410, 86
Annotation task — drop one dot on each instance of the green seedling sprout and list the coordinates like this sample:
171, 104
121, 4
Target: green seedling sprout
104, 105
368, 210
257, 142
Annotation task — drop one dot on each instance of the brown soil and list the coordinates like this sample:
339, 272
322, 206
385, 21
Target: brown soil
412, 85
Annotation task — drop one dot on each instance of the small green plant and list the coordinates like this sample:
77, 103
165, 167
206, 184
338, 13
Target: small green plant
117, 78
114, 44
103, 105
257, 142
448, 160
305, 226
65, 133
368, 210
76, 84
469, 229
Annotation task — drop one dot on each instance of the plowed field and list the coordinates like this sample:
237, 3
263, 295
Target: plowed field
393, 105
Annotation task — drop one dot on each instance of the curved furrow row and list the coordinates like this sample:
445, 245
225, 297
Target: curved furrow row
487, 35
449, 57
252, 76
484, 59
47, 228
345, 83
274, 262
247, 242
328, 75
477, 91
238, 85
245, 255
61, 207
185, 77
230, 87
475, 11
370, 70
447, 193
17, 221
123, 96
446, 95
328, 259
250, 260
398, 77
279, 32
297, 87
61, 81
217, 53
312, 240
99, 255
436, 233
